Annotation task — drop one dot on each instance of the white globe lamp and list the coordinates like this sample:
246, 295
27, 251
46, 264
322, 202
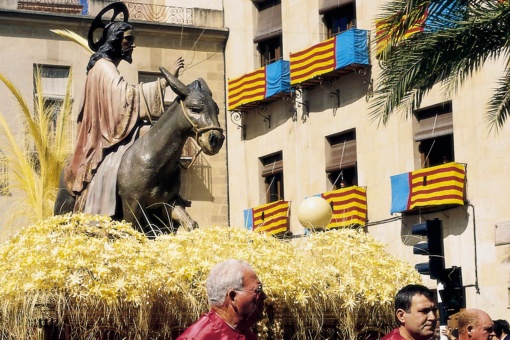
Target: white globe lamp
314, 213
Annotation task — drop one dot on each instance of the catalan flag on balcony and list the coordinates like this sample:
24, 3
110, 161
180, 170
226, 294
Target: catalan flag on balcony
384, 31
349, 206
349, 47
435, 186
430, 17
258, 85
271, 218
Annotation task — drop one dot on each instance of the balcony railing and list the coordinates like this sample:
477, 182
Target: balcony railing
54, 6
349, 206
262, 85
434, 187
336, 56
271, 218
137, 11
158, 13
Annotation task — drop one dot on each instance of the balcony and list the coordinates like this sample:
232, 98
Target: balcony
349, 206
263, 85
337, 56
433, 188
55, 6
271, 218
137, 11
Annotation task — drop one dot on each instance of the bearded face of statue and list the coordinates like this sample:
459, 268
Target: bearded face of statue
127, 46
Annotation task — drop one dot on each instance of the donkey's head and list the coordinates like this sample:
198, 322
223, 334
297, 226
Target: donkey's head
201, 111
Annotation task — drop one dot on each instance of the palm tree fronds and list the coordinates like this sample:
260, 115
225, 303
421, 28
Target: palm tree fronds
35, 161
419, 62
499, 105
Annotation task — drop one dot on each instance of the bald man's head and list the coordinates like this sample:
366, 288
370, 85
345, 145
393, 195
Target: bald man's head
475, 324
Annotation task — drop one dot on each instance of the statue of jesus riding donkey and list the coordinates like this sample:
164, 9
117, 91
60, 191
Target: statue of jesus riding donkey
119, 167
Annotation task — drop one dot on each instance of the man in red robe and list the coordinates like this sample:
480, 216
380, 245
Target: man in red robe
237, 303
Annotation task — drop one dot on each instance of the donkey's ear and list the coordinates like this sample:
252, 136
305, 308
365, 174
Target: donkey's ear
177, 86
204, 86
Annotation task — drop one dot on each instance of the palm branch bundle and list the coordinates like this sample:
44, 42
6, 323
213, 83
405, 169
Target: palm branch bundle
87, 274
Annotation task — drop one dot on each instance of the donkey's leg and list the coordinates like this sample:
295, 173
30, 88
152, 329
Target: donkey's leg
64, 202
180, 215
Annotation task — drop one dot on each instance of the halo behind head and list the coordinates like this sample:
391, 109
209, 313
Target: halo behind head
99, 23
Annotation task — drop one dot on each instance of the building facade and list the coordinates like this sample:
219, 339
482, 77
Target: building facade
164, 31
300, 76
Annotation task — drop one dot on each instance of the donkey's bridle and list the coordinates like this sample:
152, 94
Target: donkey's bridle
198, 132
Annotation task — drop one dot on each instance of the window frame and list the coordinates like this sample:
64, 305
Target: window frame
341, 172
272, 174
434, 135
334, 16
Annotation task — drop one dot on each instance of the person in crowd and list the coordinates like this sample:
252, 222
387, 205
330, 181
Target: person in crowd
236, 298
475, 324
415, 313
451, 334
501, 329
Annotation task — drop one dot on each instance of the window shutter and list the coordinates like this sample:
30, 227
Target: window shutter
272, 168
54, 81
435, 126
341, 155
269, 23
328, 5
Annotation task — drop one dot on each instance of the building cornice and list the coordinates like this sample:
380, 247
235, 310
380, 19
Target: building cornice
79, 23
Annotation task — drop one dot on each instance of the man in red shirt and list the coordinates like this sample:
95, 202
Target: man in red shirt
416, 314
236, 298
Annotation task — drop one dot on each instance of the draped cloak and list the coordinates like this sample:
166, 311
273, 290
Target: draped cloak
112, 109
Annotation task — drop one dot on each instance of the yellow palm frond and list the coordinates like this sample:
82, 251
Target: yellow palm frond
36, 161
74, 37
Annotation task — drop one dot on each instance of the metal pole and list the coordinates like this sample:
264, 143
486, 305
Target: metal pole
443, 316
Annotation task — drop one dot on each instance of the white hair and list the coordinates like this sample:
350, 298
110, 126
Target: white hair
225, 276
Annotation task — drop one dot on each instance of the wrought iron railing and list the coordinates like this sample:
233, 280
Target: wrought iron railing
158, 13
54, 6
137, 11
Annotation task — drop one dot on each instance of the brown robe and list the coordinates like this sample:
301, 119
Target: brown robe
111, 110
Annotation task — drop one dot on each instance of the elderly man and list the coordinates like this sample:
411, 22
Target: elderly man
237, 303
475, 324
416, 314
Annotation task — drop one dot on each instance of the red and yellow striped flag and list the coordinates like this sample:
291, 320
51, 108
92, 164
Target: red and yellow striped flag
314, 61
438, 185
349, 206
383, 31
248, 88
272, 218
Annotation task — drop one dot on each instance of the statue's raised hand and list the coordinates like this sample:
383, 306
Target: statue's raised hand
176, 67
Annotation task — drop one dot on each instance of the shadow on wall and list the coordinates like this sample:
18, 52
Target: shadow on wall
328, 95
197, 181
341, 92
455, 222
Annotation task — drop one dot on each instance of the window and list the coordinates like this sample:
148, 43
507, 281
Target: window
272, 173
341, 161
53, 87
268, 36
270, 50
435, 134
338, 15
